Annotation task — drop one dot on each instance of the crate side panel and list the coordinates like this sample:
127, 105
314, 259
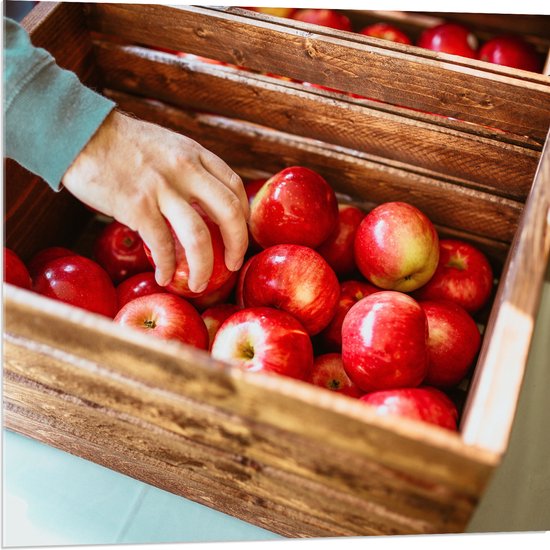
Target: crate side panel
392, 73
491, 165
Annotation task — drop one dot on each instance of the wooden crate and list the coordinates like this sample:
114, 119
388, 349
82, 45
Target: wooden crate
463, 140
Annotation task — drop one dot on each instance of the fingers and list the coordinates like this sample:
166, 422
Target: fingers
194, 237
224, 208
156, 234
220, 170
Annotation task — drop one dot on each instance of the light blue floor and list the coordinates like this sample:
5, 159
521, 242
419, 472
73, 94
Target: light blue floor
51, 498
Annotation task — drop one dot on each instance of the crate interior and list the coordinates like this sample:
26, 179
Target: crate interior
470, 177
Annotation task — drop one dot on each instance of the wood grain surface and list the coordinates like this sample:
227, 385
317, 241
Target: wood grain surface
471, 90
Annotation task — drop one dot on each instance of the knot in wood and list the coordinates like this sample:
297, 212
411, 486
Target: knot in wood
201, 32
311, 49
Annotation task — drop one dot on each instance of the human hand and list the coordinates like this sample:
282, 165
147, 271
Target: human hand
142, 174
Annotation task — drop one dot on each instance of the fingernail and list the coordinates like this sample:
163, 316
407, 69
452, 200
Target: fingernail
161, 281
236, 266
200, 288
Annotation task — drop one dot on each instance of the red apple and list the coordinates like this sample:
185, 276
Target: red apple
278, 12
140, 284
424, 403
240, 281
338, 249
324, 17
265, 339
396, 247
511, 51
328, 372
387, 32
78, 281
119, 250
385, 342
453, 343
15, 270
294, 206
217, 296
220, 273
214, 316
463, 275
295, 279
165, 316
450, 38
350, 293
251, 188
42, 257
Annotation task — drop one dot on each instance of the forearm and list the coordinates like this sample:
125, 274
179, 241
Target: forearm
49, 115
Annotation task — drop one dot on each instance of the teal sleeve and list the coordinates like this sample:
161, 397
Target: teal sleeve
49, 115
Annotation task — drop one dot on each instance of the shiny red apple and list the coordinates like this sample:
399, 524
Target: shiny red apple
463, 275
453, 343
328, 372
43, 256
424, 403
324, 17
396, 247
278, 12
15, 271
265, 339
387, 32
165, 316
295, 279
78, 281
216, 296
351, 291
450, 38
119, 250
241, 274
220, 273
294, 206
251, 188
338, 249
385, 342
511, 51
214, 316
140, 284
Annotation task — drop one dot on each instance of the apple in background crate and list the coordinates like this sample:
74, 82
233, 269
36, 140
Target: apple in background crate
294, 206
385, 342
15, 270
396, 247
511, 51
295, 279
453, 343
328, 372
423, 403
165, 316
463, 275
325, 18
265, 339
450, 38
386, 31
43, 256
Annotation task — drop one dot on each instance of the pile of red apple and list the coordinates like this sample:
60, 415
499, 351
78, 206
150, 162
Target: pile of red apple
372, 305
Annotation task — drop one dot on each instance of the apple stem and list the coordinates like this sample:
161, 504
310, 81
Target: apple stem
149, 323
247, 350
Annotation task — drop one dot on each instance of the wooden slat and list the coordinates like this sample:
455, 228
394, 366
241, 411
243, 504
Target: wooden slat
156, 404
498, 378
516, 101
505, 169
60, 28
363, 177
